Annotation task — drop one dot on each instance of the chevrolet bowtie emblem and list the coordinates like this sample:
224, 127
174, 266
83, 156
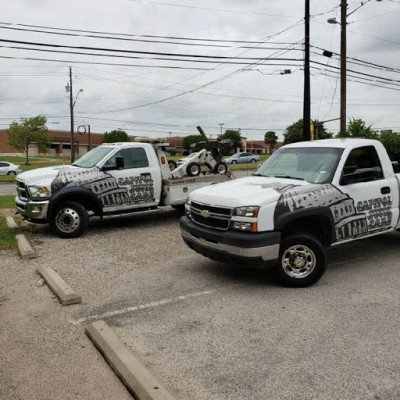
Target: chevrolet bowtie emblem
205, 213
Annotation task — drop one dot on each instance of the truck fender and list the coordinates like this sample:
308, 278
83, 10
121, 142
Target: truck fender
71, 192
302, 213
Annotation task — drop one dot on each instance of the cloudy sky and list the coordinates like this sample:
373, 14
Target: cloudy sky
161, 68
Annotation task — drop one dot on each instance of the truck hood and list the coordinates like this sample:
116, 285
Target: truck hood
44, 176
248, 191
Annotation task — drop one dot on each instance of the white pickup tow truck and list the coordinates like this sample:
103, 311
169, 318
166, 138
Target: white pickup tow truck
111, 180
306, 197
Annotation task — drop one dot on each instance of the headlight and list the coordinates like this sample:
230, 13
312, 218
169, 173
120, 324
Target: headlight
246, 211
39, 192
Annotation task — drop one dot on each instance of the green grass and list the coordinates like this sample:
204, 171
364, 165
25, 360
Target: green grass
35, 162
7, 235
7, 201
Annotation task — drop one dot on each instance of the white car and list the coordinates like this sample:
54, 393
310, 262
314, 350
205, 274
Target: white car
7, 168
183, 160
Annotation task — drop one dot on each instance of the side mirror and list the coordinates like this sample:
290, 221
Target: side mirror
395, 165
119, 162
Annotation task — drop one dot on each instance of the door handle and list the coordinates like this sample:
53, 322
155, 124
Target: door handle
385, 190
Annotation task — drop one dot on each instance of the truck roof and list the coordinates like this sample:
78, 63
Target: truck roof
338, 143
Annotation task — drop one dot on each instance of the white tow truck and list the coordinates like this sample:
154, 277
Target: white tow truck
111, 180
306, 197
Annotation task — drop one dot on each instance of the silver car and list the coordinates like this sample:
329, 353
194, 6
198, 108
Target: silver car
7, 168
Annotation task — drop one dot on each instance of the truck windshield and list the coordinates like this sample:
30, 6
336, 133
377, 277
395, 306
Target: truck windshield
90, 159
314, 165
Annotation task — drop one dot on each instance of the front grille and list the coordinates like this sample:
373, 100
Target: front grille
218, 217
22, 190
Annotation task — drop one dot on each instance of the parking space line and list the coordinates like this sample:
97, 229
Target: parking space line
152, 304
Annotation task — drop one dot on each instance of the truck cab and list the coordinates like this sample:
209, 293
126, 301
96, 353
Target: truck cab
305, 198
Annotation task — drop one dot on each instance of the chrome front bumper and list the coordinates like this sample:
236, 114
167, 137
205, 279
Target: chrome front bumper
32, 210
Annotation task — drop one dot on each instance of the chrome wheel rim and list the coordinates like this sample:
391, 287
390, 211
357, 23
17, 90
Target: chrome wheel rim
194, 170
298, 261
67, 220
221, 169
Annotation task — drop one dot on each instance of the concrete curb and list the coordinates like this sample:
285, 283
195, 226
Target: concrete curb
11, 223
24, 247
135, 376
58, 286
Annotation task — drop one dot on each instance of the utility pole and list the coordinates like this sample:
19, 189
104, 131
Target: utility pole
71, 110
90, 143
343, 55
307, 96
221, 124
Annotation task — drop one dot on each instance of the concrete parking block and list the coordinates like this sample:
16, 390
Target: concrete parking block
11, 223
135, 376
24, 247
58, 286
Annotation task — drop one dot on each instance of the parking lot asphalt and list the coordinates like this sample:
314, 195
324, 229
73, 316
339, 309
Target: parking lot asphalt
7, 189
209, 330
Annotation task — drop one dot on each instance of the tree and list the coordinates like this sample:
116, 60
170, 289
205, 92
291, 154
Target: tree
28, 132
232, 135
357, 128
294, 132
391, 141
271, 139
191, 139
116, 135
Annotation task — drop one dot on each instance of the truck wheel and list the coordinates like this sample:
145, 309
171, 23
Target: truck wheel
234, 162
302, 261
11, 173
193, 169
172, 165
69, 219
220, 168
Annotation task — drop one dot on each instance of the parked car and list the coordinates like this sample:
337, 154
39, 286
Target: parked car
183, 160
242, 158
7, 168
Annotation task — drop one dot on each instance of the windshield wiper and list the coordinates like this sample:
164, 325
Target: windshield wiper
287, 177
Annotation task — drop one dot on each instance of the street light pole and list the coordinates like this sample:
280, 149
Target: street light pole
71, 110
307, 95
343, 55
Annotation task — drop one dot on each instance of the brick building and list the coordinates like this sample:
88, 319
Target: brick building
61, 143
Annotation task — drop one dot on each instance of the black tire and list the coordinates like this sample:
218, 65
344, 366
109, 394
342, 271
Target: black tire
234, 162
253, 161
193, 169
311, 256
172, 165
179, 208
69, 219
220, 168
11, 173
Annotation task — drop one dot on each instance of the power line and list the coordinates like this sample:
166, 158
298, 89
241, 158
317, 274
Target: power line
159, 41
214, 9
144, 36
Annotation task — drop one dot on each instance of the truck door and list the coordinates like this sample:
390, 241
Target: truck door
370, 196
138, 184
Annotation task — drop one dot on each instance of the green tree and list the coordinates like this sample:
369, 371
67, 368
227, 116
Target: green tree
115, 136
271, 139
391, 141
294, 132
22, 135
191, 139
234, 136
357, 128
